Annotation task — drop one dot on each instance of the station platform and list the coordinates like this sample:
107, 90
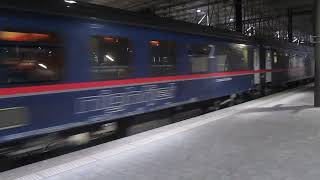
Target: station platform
275, 137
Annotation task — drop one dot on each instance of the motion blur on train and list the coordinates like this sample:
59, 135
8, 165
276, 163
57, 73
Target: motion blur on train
73, 73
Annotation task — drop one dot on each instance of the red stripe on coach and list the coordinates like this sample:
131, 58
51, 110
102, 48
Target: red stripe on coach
88, 85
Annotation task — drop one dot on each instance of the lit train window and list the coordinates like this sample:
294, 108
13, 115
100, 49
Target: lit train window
110, 58
220, 57
163, 58
232, 57
30, 58
199, 56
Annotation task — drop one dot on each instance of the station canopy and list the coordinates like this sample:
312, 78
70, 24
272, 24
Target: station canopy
265, 18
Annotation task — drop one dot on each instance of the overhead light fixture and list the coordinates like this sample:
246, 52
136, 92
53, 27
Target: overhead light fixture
70, 1
43, 66
198, 10
202, 19
242, 45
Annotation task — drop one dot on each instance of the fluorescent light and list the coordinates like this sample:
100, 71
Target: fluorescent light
70, 1
109, 57
249, 28
43, 66
202, 19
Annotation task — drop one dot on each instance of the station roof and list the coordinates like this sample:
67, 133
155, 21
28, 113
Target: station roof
264, 16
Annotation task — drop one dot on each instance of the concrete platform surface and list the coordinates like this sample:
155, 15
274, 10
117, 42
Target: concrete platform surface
272, 138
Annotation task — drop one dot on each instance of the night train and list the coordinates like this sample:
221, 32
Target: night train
72, 72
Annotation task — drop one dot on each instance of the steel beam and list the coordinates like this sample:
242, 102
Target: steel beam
238, 15
190, 6
290, 34
317, 54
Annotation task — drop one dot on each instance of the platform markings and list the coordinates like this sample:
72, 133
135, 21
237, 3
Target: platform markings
199, 121
66, 167
112, 152
30, 177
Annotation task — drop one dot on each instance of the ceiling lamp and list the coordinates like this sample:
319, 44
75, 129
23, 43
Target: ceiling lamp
70, 1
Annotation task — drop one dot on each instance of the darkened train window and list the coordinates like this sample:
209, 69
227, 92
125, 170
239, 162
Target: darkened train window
30, 58
110, 58
199, 56
163, 58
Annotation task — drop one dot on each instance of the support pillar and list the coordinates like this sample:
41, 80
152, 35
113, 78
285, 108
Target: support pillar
317, 54
290, 35
238, 15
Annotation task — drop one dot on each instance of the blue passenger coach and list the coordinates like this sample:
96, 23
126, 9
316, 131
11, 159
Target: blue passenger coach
62, 71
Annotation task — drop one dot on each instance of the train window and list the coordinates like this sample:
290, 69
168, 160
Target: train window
240, 57
268, 54
13, 117
232, 57
110, 58
293, 61
199, 56
221, 58
163, 58
30, 58
275, 57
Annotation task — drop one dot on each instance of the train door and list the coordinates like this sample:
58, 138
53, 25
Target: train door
256, 66
268, 66
262, 54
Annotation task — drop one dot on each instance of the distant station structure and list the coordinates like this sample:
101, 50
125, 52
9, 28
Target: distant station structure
287, 20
